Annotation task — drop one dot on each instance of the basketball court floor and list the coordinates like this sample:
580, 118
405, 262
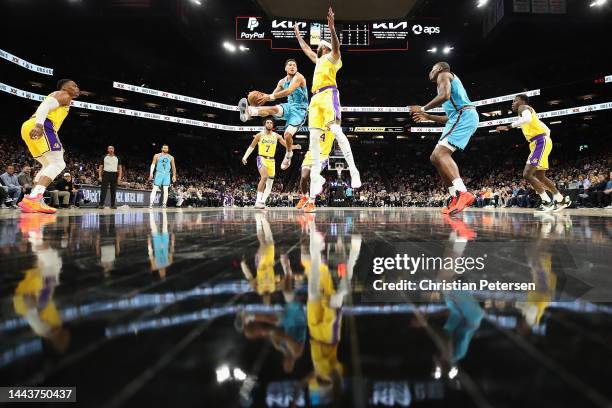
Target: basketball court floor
226, 307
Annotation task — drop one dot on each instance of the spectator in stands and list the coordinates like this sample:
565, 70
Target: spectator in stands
25, 179
65, 190
13, 188
3, 196
608, 192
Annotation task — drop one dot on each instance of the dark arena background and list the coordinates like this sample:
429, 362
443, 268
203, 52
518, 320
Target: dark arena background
424, 275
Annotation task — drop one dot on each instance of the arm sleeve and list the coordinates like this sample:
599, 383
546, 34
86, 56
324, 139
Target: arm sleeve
525, 118
247, 153
44, 108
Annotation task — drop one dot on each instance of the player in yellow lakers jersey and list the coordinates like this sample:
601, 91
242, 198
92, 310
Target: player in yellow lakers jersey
540, 145
265, 142
40, 134
324, 109
326, 143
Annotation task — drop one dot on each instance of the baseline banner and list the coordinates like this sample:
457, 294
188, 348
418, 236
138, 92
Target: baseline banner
371, 109
170, 95
542, 115
191, 122
25, 64
124, 196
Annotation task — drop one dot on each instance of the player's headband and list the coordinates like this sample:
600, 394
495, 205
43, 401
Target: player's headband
325, 44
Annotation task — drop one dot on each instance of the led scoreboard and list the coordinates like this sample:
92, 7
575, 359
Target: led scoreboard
379, 36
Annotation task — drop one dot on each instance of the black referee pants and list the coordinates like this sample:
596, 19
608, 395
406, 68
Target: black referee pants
109, 179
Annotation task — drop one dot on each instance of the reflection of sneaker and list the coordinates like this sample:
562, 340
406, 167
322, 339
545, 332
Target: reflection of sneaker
242, 106
286, 162
355, 179
462, 229
310, 207
35, 205
465, 199
563, 204
451, 204
260, 206
317, 185
545, 207
302, 202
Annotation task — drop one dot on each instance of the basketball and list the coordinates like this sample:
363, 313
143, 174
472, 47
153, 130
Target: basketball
256, 98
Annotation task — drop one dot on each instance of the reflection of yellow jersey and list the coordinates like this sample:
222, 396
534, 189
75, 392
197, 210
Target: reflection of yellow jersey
267, 144
35, 285
325, 72
545, 282
56, 116
325, 359
266, 280
534, 127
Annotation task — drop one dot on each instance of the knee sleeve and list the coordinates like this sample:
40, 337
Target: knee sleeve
54, 164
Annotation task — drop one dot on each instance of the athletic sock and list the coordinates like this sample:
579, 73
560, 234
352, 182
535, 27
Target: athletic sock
38, 189
459, 186
267, 190
545, 198
259, 196
452, 190
558, 197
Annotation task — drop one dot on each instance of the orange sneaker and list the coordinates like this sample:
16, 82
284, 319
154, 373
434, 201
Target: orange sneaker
35, 205
451, 204
310, 207
465, 200
302, 202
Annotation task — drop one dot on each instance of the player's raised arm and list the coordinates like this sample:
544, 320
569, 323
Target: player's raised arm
250, 148
305, 47
152, 170
335, 53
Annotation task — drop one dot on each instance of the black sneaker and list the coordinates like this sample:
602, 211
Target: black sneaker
546, 207
563, 204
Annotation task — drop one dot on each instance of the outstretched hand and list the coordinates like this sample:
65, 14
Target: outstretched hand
330, 17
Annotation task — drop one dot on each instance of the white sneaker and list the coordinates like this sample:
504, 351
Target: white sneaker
164, 206
243, 106
260, 206
286, 163
608, 207
150, 205
317, 185
355, 179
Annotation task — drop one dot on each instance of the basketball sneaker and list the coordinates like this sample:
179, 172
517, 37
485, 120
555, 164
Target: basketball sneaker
286, 162
243, 105
302, 202
310, 207
563, 204
464, 199
260, 206
35, 205
450, 204
546, 207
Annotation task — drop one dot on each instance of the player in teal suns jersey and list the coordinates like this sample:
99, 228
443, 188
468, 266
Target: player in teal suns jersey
162, 165
292, 86
461, 122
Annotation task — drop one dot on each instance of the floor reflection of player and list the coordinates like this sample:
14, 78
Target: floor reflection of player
33, 297
264, 282
287, 330
160, 245
108, 245
324, 315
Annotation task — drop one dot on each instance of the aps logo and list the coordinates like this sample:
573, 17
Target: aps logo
419, 29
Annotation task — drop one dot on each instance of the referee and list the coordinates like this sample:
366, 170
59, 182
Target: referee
109, 174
